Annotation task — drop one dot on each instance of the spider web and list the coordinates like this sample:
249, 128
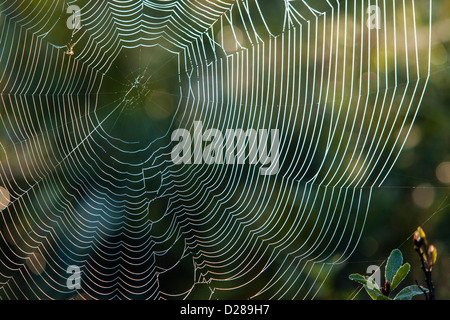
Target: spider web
85, 142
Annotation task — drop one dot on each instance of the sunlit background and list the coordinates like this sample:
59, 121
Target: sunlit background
136, 194
416, 193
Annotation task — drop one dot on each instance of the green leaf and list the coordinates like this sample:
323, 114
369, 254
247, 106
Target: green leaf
409, 292
394, 262
358, 278
375, 294
401, 274
369, 284
365, 280
382, 297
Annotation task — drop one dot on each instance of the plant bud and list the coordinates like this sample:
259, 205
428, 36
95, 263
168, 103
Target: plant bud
418, 240
386, 289
422, 234
431, 256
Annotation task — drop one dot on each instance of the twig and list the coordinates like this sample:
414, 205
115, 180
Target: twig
429, 284
421, 289
429, 250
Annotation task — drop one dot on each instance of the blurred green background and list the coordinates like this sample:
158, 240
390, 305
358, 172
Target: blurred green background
416, 192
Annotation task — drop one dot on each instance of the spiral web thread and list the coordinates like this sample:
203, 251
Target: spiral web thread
343, 94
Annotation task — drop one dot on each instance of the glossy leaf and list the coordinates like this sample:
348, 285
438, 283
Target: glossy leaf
375, 294
401, 274
409, 292
394, 262
359, 278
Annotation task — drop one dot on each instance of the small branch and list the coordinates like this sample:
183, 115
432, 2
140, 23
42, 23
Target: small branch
428, 279
421, 289
429, 284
